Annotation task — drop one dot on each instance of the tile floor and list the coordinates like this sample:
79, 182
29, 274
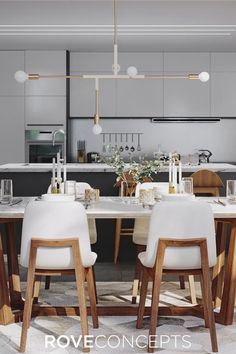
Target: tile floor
181, 330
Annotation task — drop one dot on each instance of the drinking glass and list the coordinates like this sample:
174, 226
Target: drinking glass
70, 187
6, 191
231, 191
186, 185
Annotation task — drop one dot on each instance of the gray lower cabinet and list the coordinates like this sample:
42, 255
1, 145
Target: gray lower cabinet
12, 130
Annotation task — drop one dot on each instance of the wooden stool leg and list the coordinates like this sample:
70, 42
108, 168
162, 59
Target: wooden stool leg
47, 282
181, 282
92, 296
204, 302
117, 239
192, 289
143, 295
28, 299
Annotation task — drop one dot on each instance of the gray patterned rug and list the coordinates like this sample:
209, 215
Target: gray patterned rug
61, 335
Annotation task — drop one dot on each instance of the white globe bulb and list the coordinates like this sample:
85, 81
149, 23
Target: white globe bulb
203, 76
97, 129
21, 76
132, 71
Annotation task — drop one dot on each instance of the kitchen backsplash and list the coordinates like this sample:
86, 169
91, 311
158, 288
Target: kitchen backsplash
218, 137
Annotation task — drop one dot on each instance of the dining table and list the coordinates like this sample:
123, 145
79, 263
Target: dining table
224, 273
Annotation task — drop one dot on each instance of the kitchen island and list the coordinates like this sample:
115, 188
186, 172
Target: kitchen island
34, 179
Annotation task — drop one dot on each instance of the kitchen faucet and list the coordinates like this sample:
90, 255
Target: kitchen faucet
54, 138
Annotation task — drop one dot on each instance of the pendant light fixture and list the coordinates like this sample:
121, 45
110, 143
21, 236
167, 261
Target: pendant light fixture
131, 74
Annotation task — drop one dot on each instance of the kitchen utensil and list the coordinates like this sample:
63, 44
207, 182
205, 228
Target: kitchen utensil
138, 146
104, 143
121, 140
81, 152
126, 147
132, 149
109, 148
204, 155
6, 191
116, 146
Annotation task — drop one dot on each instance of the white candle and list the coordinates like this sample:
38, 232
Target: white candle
58, 167
53, 171
64, 173
170, 167
175, 176
180, 172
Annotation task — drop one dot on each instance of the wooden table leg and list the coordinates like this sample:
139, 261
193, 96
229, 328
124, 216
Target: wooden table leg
6, 315
228, 298
13, 267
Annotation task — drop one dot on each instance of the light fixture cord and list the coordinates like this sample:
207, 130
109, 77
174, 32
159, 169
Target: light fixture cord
115, 22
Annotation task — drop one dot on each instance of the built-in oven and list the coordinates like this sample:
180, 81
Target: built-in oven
39, 146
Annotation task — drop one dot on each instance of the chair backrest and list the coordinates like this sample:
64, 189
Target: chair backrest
163, 187
55, 220
181, 220
206, 178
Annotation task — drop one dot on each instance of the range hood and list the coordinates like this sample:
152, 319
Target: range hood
185, 120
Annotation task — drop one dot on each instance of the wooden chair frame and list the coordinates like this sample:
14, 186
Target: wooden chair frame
156, 275
81, 274
138, 276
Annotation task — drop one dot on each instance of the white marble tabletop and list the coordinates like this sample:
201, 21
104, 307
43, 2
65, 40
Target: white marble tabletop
116, 207
102, 167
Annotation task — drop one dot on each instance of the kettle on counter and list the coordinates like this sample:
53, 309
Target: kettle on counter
204, 155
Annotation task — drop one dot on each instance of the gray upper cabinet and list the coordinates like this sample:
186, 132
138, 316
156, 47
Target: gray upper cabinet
12, 143
45, 110
45, 63
186, 98
82, 102
140, 97
10, 62
223, 84
223, 88
223, 62
45, 99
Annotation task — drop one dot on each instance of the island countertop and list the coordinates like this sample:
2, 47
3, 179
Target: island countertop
102, 167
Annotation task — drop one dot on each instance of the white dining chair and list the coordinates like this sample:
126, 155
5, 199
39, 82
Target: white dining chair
55, 240
140, 234
80, 192
181, 240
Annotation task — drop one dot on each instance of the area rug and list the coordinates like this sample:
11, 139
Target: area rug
61, 335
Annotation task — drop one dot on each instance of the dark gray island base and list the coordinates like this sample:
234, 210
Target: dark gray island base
36, 183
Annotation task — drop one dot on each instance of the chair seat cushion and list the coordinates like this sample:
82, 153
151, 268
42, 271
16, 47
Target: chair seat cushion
65, 263
182, 258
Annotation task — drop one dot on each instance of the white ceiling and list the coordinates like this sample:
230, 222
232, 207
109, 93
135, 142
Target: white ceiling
143, 25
